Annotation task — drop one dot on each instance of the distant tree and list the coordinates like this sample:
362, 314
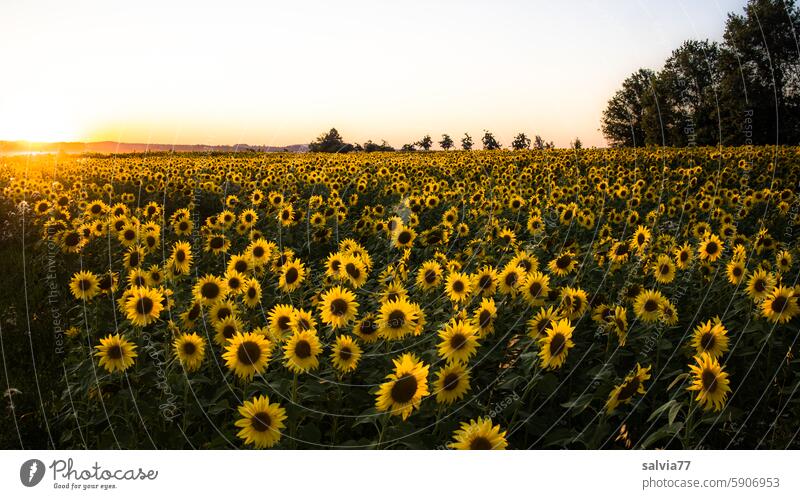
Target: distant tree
577, 144
489, 142
330, 142
622, 119
358, 148
539, 143
370, 146
466, 142
521, 141
408, 148
446, 143
425, 142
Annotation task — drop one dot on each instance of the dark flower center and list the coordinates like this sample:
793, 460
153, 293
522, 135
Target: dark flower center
458, 341
480, 443
450, 382
345, 353
628, 389
291, 275
210, 290
248, 353
707, 341
189, 348
458, 286
779, 304
557, 344
145, 305
709, 379
650, 305
260, 421
404, 389
484, 318
115, 352
339, 307
302, 349
397, 318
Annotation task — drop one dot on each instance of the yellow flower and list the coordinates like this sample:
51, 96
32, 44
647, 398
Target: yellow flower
261, 422
555, 345
710, 382
479, 435
116, 353
405, 388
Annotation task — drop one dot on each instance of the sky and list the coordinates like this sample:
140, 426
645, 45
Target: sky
281, 73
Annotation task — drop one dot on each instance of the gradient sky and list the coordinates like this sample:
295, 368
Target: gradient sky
280, 73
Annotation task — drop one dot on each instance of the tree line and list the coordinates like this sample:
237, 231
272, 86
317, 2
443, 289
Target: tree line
741, 91
333, 142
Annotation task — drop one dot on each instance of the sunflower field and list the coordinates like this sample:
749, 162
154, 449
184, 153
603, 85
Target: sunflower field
581, 299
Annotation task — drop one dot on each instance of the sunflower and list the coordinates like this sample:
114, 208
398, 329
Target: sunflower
235, 282
563, 264
217, 243
710, 248
633, 384
509, 279
280, 319
406, 386
209, 289
711, 338
483, 317
760, 285
293, 273
367, 329
534, 288
574, 302
261, 422
353, 270
683, 256
301, 351
247, 354
338, 307
143, 306
191, 314
664, 269
393, 292
710, 381
84, 285
458, 286
116, 353
647, 305
617, 321
485, 281
251, 293
429, 275
780, 305
226, 329
346, 354
302, 320
555, 345
403, 237
479, 435
783, 261
397, 319
459, 341
735, 271
221, 310
542, 321
641, 237
190, 350
452, 382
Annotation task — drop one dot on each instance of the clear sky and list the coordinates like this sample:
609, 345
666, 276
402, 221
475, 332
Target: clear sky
280, 73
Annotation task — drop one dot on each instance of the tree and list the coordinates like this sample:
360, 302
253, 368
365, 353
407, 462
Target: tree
489, 142
446, 143
577, 144
370, 146
330, 142
538, 143
761, 77
408, 148
521, 141
622, 119
425, 142
466, 142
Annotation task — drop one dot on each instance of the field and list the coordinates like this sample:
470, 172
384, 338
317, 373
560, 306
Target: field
595, 298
